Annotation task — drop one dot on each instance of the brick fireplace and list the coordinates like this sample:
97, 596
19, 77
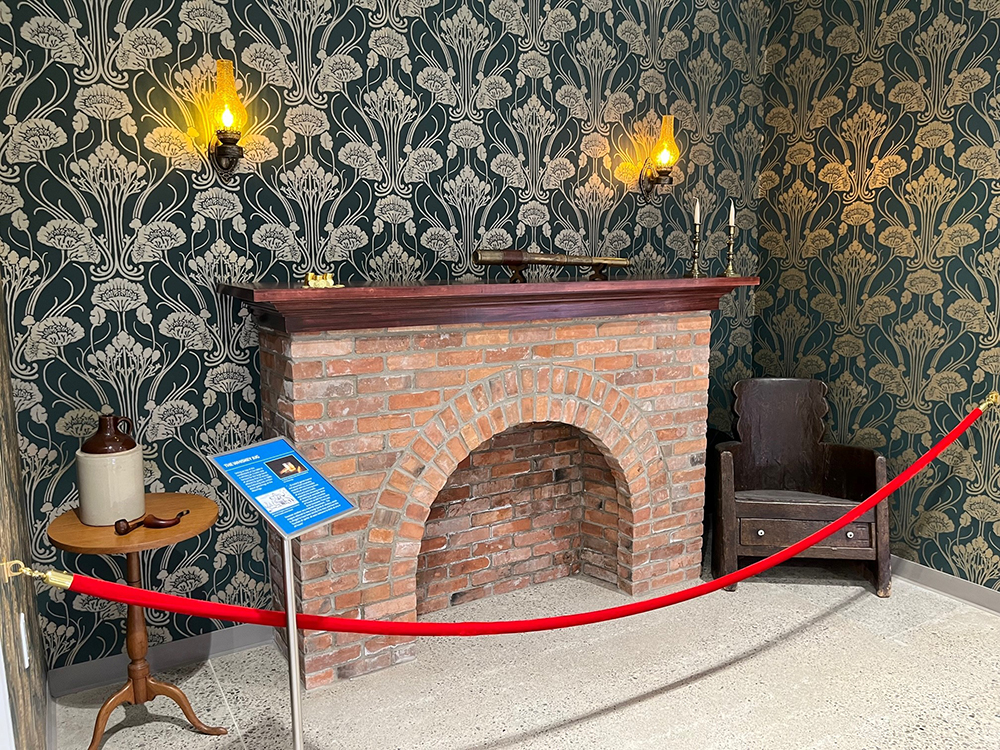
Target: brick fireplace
492, 438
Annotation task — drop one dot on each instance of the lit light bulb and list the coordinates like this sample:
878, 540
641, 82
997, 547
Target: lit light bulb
227, 118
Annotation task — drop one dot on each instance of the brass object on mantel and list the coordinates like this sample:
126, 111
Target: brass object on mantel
321, 281
730, 272
695, 271
517, 260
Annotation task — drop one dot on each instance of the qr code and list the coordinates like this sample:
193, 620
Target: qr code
277, 500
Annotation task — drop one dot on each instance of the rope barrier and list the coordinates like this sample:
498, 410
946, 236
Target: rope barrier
117, 592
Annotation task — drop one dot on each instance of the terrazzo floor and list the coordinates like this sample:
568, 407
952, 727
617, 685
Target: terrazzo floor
806, 657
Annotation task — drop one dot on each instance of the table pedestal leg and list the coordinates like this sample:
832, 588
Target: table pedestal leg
140, 687
122, 696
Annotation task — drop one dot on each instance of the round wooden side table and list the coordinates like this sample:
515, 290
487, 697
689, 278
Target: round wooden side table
67, 533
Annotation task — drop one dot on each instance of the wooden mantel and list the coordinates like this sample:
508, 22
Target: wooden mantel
304, 310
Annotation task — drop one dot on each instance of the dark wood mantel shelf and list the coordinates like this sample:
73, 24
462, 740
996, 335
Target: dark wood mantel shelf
304, 310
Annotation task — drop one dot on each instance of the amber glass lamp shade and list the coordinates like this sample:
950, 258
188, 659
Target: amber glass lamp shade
666, 151
226, 110
658, 165
228, 115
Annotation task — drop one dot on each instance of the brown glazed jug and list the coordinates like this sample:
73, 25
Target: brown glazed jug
109, 474
110, 438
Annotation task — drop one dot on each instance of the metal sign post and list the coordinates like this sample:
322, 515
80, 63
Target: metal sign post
293, 498
294, 683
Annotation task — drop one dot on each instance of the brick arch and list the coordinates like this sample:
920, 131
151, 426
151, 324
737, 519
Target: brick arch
519, 396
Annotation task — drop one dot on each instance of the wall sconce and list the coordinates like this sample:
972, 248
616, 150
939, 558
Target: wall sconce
229, 116
656, 169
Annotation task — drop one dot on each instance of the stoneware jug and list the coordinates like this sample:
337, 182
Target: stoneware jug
109, 474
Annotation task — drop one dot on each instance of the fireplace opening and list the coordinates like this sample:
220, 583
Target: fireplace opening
534, 503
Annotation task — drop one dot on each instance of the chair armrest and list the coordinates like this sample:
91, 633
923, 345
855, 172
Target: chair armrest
851, 472
730, 446
730, 465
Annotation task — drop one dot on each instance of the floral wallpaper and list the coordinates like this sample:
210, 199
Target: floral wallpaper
387, 140
878, 231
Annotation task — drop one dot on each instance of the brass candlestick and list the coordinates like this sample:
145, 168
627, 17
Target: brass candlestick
695, 272
731, 242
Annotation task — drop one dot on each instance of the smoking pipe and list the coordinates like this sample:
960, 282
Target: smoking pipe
123, 526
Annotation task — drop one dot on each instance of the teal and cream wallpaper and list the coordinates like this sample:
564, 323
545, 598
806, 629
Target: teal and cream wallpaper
387, 140
878, 236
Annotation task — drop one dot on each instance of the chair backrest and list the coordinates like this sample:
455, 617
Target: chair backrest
781, 427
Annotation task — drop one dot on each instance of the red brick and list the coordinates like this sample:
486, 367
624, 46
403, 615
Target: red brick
694, 323
507, 354
381, 536
440, 378
381, 344
597, 346
385, 384
411, 361
376, 593
488, 338
614, 363
383, 423
514, 527
307, 410
493, 516
505, 470
552, 351
469, 566
305, 370
390, 607
437, 340
414, 400
354, 366
348, 407
459, 358
327, 348
579, 331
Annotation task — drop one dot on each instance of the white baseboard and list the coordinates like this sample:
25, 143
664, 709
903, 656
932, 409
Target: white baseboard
112, 669
949, 585
51, 741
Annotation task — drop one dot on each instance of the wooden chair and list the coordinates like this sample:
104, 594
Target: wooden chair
780, 482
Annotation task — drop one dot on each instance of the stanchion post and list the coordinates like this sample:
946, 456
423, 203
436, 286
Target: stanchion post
294, 498
294, 684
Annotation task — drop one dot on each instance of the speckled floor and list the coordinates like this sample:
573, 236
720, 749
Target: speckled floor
806, 658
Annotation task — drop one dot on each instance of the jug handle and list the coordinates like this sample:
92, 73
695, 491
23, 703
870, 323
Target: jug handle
128, 423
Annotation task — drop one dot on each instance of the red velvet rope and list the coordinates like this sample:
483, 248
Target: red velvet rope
130, 595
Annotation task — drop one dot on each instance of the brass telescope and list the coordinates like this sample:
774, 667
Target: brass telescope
517, 261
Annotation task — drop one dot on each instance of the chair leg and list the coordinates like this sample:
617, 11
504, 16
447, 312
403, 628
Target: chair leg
725, 542
882, 565
732, 569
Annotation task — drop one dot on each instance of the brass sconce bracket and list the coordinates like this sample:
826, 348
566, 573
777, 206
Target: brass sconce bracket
226, 154
650, 177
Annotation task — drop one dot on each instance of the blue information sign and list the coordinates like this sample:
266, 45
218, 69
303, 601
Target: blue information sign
291, 494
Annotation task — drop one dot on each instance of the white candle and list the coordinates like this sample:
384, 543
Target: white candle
697, 211
732, 213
